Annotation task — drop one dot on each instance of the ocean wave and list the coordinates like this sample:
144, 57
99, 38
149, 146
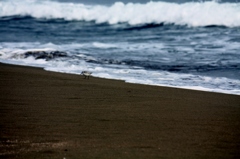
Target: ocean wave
193, 14
48, 54
71, 58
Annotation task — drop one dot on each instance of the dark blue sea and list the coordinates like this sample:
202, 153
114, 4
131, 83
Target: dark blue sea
187, 44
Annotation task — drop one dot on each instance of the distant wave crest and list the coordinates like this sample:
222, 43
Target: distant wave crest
192, 14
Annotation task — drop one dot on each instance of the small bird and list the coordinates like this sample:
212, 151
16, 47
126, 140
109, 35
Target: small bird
86, 74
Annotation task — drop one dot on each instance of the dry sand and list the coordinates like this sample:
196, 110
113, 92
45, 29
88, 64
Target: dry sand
53, 115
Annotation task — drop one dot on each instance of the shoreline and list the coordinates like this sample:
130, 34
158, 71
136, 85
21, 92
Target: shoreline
152, 85
55, 115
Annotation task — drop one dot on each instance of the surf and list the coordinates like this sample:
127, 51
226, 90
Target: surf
193, 14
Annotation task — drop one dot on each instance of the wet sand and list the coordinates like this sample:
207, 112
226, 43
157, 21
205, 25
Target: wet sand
52, 115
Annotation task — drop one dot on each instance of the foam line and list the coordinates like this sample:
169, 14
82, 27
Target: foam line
192, 14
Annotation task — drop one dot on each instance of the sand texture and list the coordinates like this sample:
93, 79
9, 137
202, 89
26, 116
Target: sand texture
53, 115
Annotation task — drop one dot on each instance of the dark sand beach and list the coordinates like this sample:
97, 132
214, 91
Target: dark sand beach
52, 115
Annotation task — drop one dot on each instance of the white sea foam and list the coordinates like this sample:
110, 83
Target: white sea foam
103, 45
140, 76
191, 13
11, 53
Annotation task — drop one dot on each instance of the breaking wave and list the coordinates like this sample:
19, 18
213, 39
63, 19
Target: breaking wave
193, 14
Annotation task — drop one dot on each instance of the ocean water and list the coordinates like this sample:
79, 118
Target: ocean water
192, 44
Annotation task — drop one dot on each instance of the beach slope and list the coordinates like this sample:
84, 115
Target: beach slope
54, 115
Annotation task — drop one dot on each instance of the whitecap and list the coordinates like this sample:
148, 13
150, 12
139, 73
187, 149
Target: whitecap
192, 14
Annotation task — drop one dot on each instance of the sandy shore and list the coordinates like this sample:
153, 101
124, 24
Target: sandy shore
53, 115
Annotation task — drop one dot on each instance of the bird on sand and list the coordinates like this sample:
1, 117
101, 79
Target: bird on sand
86, 74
